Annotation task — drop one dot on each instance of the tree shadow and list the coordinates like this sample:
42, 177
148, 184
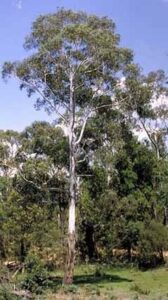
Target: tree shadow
93, 279
90, 279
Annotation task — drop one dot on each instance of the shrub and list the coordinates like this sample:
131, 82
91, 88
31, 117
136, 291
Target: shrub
153, 240
5, 294
70, 289
99, 272
37, 276
139, 290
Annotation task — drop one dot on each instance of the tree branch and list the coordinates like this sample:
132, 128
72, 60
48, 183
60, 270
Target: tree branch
66, 106
149, 136
40, 188
34, 87
82, 129
82, 63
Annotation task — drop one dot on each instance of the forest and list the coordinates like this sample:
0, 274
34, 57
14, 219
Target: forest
89, 191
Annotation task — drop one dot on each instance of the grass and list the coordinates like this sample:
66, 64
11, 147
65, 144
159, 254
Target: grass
93, 282
102, 282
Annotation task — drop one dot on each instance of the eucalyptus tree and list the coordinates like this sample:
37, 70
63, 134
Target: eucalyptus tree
153, 120
152, 124
147, 108
74, 65
33, 188
10, 143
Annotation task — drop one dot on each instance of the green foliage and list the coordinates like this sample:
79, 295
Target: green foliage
44, 139
153, 240
139, 290
70, 289
99, 272
5, 294
36, 279
120, 198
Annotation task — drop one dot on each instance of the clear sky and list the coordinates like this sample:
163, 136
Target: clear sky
142, 24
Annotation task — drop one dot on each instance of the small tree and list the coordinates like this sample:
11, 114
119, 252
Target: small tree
74, 66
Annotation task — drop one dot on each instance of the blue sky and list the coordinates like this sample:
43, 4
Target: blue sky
142, 24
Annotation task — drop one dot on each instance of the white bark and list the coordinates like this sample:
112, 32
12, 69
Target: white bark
82, 130
71, 226
68, 277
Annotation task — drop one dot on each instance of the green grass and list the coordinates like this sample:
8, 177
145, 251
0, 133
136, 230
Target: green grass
103, 282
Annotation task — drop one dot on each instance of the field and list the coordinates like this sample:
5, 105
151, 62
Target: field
101, 282
94, 282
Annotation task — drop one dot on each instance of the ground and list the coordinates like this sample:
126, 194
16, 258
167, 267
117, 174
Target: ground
93, 282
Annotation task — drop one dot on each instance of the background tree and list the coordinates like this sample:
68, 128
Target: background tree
34, 190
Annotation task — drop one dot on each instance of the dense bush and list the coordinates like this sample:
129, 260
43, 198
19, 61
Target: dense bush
36, 278
153, 241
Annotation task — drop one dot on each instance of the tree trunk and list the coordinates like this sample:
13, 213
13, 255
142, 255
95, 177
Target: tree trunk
69, 268
129, 254
89, 232
22, 250
2, 248
165, 219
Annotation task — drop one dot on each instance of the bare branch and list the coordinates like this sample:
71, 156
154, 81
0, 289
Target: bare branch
81, 160
40, 188
85, 62
20, 173
85, 175
102, 106
149, 136
89, 110
78, 87
82, 129
92, 70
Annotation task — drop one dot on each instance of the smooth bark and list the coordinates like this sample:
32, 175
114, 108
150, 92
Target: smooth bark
69, 269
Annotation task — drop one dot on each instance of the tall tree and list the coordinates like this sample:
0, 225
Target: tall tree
74, 67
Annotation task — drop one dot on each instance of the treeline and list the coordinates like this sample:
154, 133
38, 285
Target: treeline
122, 192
